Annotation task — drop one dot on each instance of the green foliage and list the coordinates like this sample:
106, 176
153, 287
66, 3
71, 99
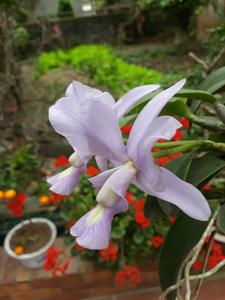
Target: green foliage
102, 65
19, 168
20, 36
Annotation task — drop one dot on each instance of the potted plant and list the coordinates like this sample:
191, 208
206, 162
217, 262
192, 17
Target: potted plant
29, 241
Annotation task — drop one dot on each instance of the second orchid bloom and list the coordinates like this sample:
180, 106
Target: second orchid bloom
88, 119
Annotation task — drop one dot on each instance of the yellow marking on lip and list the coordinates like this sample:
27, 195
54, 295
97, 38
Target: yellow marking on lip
96, 214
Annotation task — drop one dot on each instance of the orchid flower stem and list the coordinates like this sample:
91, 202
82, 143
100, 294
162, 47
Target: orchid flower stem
184, 146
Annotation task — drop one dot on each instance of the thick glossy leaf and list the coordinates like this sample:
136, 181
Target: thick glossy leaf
221, 219
153, 209
211, 123
196, 95
181, 238
179, 108
213, 79
217, 87
203, 169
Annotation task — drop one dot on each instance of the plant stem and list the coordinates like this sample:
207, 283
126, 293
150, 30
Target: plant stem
184, 146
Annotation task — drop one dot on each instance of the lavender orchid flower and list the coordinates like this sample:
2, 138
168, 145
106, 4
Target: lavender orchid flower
64, 117
133, 164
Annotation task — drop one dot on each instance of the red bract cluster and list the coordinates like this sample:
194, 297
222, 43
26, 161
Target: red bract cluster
157, 241
109, 254
172, 219
197, 265
92, 171
54, 198
61, 161
17, 205
177, 137
138, 206
79, 247
126, 129
130, 198
207, 187
128, 274
53, 262
139, 217
185, 123
216, 255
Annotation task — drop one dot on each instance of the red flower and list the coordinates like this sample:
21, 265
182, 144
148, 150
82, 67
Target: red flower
207, 187
129, 274
51, 258
197, 265
109, 254
139, 205
126, 128
163, 160
17, 205
92, 171
130, 197
174, 156
54, 198
141, 220
79, 247
172, 219
178, 136
157, 241
185, 122
61, 161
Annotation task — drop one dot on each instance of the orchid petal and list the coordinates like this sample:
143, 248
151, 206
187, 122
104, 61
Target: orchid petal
81, 92
93, 229
101, 178
127, 101
102, 128
148, 114
161, 128
102, 163
90, 127
184, 195
64, 182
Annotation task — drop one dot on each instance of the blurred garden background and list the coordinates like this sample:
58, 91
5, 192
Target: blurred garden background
113, 46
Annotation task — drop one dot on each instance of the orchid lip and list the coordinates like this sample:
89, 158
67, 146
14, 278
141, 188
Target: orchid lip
75, 160
107, 196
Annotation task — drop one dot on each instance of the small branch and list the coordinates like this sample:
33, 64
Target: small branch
198, 60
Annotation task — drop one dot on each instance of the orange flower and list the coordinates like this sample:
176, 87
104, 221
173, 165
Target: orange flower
19, 250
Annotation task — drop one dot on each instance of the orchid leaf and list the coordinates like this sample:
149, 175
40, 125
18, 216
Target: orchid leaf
181, 238
220, 221
203, 169
178, 107
215, 81
196, 95
152, 208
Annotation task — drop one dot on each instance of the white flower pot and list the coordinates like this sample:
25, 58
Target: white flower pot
35, 259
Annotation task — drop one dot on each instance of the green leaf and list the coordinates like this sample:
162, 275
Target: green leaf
211, 123
220, 221
217, 87
204, 168
118, 232
214, 81
127, 119
181, 238
179, 108
196, 95
138, 237
152, 209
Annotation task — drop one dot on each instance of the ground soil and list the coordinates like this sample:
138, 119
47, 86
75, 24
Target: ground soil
32, 237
